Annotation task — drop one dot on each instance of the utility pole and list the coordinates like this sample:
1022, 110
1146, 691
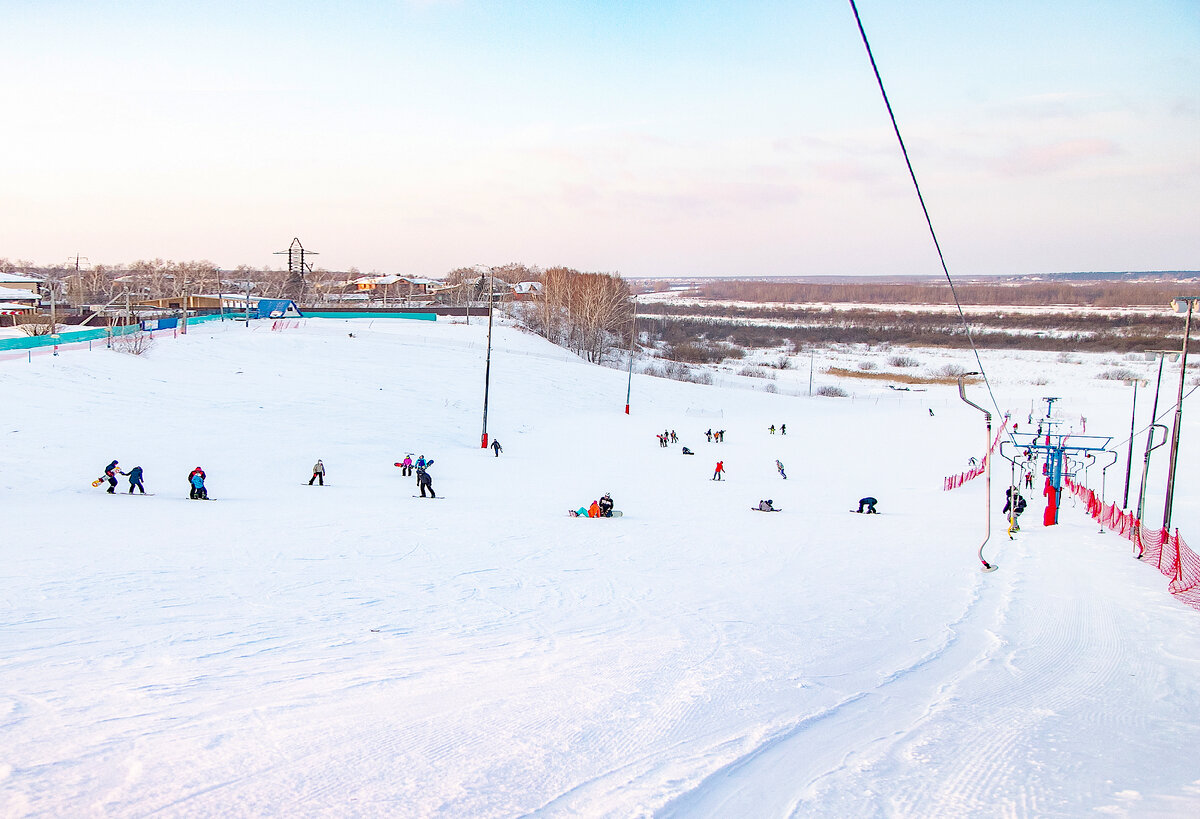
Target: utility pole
1178, 304
487, 372
632, 338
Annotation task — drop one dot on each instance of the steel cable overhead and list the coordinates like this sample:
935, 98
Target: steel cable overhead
912, 174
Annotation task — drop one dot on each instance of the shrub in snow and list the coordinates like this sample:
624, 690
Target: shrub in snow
756, 372
830, 391
866, 366
950, 371
1118, 374
903, 361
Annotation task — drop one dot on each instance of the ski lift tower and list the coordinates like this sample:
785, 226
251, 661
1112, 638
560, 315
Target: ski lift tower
296, 268
1058, 447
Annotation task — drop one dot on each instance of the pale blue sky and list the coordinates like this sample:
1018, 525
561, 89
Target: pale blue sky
648, 138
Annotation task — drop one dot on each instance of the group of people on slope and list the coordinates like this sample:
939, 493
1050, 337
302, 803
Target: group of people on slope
113, 470
602, 508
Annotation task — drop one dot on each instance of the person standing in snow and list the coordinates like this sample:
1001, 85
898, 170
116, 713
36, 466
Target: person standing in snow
496, 447
772, 429
779, 466
719, 471
424, 481
406, 466
110, 475
318, 473
709, 434
135, 479
192, 482
199, 492
783, 429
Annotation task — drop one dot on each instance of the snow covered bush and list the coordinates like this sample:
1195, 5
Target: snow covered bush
903, 361
830, 391
1118, 374
134, 343
866, 366
950, 371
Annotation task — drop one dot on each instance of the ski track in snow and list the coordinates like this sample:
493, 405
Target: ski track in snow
349, 651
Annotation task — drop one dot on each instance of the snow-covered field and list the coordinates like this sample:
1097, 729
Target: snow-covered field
354, 651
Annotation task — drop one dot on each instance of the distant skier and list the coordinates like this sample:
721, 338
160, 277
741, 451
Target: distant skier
1029, 480
720, 436
709, 434
135, 479
779, 466
110, 475
199, 492
606, 505
931, 412
772, 429
424, 481
496, 447
719, 471
318, 473
869, 503
674, 437
406, 466
783, 429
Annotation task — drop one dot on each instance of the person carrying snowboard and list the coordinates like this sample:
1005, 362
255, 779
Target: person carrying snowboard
318, 473
496, 447
406, 466
199, 492
869, 503
606, 505
719, 471
424, 481
110, 475
135, 479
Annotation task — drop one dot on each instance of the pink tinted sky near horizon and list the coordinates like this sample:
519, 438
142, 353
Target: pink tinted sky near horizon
660, 138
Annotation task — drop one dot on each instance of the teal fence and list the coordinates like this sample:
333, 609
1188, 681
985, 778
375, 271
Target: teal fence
73, 336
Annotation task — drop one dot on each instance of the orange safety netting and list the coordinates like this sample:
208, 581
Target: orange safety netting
955, 481
1159, 548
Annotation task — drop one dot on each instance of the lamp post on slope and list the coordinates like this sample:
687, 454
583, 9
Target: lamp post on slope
1180, 305
487, 370
632, 338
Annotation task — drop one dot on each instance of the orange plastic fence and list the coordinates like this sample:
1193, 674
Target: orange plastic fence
1169, 553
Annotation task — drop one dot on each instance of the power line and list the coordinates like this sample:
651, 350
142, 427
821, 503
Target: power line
895, 127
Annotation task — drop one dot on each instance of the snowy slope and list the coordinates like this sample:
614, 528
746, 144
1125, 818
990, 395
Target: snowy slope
354, 651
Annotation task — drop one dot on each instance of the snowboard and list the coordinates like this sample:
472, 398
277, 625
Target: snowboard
143, 494
756, 509
99, 481
856, 512
616, 513
439, 497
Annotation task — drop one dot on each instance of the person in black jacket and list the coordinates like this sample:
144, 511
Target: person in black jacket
110, 475
135, 479
606, 505
425, 482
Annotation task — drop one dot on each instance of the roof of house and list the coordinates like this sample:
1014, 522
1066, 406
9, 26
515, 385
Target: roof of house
12, 294
17, 277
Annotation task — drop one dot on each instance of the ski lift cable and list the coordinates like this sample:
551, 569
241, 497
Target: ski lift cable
929, 221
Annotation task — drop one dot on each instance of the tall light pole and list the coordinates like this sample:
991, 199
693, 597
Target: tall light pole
1180, 305
487, 370
632, 338
1150, 445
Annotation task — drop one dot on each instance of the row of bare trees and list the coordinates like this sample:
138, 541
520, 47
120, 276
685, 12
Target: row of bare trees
588, 313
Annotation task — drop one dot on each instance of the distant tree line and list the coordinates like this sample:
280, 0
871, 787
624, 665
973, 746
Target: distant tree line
1109, 294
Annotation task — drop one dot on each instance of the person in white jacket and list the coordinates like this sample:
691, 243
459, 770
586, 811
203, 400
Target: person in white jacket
318, 473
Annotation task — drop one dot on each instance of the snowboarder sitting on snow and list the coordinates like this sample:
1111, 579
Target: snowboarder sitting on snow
606, 505
135, 479
496, 447
318, 473
110, 475
424, 481
687, 451
594, 510
766, 506
870, 504
197, 481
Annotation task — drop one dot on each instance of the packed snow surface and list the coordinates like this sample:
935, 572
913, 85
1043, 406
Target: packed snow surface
353, 650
